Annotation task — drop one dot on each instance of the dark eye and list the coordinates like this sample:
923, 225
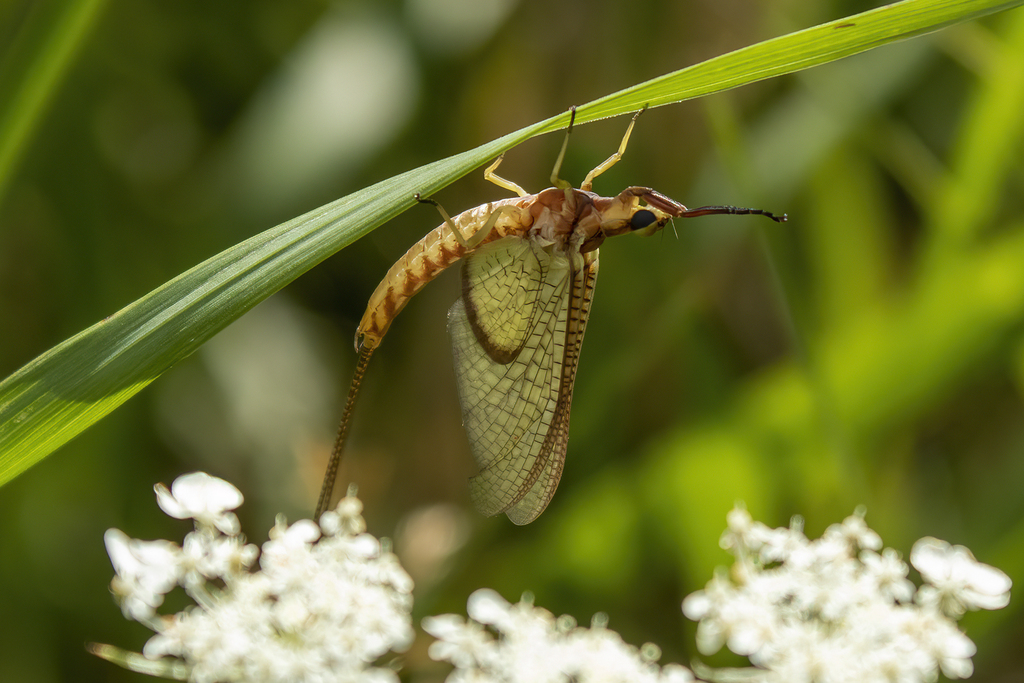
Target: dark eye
641, 219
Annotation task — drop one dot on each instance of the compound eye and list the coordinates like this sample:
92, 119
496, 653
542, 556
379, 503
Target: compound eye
642, 219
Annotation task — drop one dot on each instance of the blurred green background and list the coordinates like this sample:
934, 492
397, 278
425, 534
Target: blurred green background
870, 351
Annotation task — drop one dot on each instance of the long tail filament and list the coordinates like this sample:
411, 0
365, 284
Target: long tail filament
339, 442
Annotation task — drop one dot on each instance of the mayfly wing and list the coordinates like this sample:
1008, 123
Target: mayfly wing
556, 442
508, 384
502, 287
515, 336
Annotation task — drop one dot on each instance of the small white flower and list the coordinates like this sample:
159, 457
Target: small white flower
534, 646
464, 644
784, 543
203, 498
697, 605
948, 645
740, 524
837, 610
486, 606
290, 541
347, 517
889, 572
856, 532
958, 581
146, 571
209, 555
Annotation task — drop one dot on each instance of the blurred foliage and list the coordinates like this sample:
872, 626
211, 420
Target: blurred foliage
869, 352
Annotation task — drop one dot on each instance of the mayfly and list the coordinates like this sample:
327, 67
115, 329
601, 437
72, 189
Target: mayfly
528, 275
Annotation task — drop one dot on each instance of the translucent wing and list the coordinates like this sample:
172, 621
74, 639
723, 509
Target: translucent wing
516, 333
501, 285
556, 442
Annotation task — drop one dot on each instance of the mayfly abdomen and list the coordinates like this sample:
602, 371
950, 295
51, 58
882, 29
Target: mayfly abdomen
425, 260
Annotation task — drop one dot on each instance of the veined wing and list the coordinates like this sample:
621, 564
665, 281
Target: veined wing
516, 333
553, 449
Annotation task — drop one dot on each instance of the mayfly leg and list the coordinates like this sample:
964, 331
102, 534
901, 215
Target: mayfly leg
493, 177
556, 181
469, 242
588, 182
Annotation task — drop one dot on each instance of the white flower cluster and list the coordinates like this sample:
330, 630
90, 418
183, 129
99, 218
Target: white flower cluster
836, 610
534, 647
326, 605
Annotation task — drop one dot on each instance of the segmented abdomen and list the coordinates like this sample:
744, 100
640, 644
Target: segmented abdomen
427, 258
